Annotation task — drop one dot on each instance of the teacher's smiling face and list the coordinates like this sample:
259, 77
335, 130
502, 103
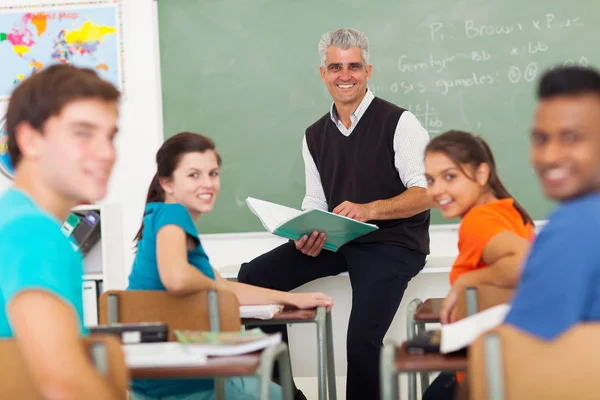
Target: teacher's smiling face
346, 75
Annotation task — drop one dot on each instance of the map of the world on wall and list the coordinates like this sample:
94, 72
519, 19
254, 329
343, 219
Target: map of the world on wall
5, 164
83, 34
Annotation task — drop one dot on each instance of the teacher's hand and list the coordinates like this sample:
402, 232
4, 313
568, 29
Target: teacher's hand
359, 212
311, 245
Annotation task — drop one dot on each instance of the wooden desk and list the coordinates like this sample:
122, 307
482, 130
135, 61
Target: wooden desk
259, 364
243, 365
325, 354
395, 360
282, 317
429, 362
429, 311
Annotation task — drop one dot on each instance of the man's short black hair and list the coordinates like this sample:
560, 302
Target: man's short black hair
569, 81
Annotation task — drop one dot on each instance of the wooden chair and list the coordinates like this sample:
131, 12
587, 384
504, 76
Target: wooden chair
17, 382
191, 312
506, 363
207, 311
479, 298
394, 360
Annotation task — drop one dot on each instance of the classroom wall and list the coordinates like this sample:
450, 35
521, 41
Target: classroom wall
141, 115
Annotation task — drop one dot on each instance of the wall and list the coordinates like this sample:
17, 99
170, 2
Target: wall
141, 115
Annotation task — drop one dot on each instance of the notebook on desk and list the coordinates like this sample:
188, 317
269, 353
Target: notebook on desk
166, 354
226, 343
292, 224
266, 311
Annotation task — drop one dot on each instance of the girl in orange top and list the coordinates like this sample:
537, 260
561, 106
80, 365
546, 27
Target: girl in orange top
495, 230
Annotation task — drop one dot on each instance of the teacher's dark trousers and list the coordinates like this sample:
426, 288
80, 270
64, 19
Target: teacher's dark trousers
379, 274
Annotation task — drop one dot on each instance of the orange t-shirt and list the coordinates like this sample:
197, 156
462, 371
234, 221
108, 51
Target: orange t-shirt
479, 226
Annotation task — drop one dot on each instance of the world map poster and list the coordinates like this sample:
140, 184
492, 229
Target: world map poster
83, 34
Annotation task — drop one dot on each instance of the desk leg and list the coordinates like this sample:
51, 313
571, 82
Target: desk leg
388, 377
220, 388
278, 353
411, 332
330, 359
321, 351
285, 374
424, 375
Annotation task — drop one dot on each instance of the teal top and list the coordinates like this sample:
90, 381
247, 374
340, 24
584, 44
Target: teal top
144, 276
35, 255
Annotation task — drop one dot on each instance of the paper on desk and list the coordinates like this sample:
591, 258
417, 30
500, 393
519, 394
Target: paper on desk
460, 334
163, 354
266, 311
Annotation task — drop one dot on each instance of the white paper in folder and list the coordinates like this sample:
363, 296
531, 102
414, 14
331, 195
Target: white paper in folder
461, 334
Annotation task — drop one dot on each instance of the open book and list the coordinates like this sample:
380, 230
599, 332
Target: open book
226, 343
293, 224
461, 334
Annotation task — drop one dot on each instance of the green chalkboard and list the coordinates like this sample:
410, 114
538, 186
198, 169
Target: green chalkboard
245, 72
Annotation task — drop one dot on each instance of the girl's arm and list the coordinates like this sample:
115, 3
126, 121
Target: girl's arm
181, 278
254, 295
176, 273
504, 254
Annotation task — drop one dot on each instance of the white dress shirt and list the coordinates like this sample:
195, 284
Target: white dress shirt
410, 140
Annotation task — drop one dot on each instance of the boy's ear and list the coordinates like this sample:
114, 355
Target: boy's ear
166, 184
482, 175
29, 141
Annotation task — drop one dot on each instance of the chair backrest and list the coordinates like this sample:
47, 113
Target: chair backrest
189, 312
512, 364
17, 382
481, 297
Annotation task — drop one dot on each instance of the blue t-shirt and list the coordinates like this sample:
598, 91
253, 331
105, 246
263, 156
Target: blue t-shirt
144, 276
560, 286
144, 273
35, 255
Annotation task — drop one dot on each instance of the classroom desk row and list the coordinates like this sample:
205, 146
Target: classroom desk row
219, 311
252, 364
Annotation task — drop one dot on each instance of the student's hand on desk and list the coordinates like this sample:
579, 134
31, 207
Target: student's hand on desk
311, 245
310, 300
447, 311
448, 308
359, 212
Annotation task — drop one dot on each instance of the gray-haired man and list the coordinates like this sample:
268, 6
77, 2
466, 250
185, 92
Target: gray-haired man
363, 160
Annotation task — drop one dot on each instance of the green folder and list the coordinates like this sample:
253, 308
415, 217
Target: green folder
293, 224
